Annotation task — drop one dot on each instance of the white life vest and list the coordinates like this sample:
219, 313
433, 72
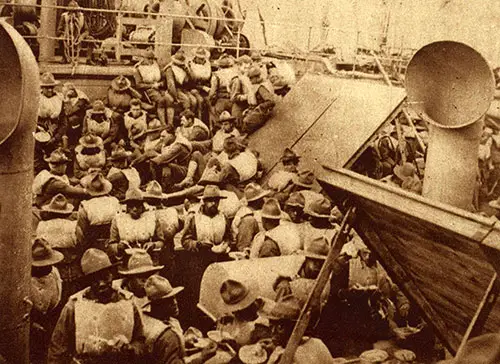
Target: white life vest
59, 233
131, 174
246, 164
180, 74
247, 88
280, 180
85, 162
200, 72
153, 328
230, 205
220, 137
50, 107
95, 322
168, 217
181, 139
301, 229
101, 210
314, 233
45, 176
287, 239
100, 129
149, 73
46, 291
210, 228
187, 131
141, 230
140, 122
225, 76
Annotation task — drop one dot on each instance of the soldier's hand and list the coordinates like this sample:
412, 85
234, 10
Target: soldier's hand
149, 246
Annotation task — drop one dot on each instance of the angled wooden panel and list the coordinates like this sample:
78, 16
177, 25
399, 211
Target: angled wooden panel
293, 116
439, 250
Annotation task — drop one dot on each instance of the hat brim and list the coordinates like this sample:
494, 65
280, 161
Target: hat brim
113, 265
126, 200
120, 156
175, 291
296, 181
232, 119
50, 84
69, 209
201, 198
55, 258
137, 136
494, 204
263, 194
314, 214
108, 187
241, 305
42, 136
62, 161
155, 197
272, 217
141, 270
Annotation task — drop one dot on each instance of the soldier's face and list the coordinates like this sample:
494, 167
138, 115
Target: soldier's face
137, 284
135, 209
101, 286
227, 126
135, 110
244, 67
186, 122
296, 213
48, 91
211, 207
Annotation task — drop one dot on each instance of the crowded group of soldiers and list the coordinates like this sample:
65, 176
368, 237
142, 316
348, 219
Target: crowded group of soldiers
136, 195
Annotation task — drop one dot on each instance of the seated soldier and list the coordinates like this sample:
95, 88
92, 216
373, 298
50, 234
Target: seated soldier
240, 88
219, 95
75, 106
200, 72
120, 174
195, 131
228, 129
120, 94
89, 155
281, 180
405, 176
102, 122
135, 116
50, 110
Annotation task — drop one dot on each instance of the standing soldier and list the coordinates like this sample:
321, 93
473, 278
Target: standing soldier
45, 295
100, 324
200, 72
73, 28
102, 122
219, 95
149, 80
50, 109
121, 175
75, 106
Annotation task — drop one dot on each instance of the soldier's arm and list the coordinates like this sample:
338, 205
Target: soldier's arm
62, 345
247, 229
214, 85
188, 234
82, 225
170, 78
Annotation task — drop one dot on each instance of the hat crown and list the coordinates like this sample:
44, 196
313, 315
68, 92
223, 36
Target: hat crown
287, 308
254, 72
318, 246
253, 191
225, 116
157, 287
97, 183
233, 292
271, 209
320, 207
201, 52
58, 203
256, 56
306, 177
41, 249
134, 194
154, 188
225, 61
91, 141
57, 156
211, 191
94, 260
140, 259
47, 78
296, 199
98, 106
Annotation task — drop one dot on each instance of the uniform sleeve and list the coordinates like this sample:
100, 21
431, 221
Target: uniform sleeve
167, 349
199, 134
62, 345
82, 226
171, 87
188, 234
114, 239
247, 229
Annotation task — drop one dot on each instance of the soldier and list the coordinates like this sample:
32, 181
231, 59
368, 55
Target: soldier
121, 175
45, 295
121, 94
102, 122
318, 213
192, 128
73, 28
136, 228
228, 129
149, 80
240, 88
262, 92
76, 102
96, 213
135, 116
50, 109
100, 324
276, 239
200, 73
220, 85
281, 179
176, 74
49, 183
89, 155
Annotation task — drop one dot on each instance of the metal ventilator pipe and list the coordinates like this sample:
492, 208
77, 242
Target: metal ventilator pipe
20, 90
450, 85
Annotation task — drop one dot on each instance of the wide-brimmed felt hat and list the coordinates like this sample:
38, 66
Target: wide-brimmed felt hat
57, 157
320, 207
296, 199
136, 132
47, 80
271, 209
139, 263
254, 192
120, 83
133, 194
225, 61
202, 53
119, 153
317, 248
98, 107
158, 288
154, 191
210, 176
286, 308
256, 56
304, 178
404, 171
59, 205
96, 184
43, 255
179, 58
91, 141
289, 156
238, 295
226, 116
42, 136
252, 354
484, 349
95, 260
155, 125
211, 192
244, 59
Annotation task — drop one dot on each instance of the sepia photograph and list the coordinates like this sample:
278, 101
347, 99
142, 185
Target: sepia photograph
249, 181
